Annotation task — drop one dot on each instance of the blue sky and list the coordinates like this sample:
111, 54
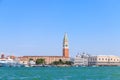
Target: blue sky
37, 27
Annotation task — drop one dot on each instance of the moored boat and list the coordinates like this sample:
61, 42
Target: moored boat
7, 62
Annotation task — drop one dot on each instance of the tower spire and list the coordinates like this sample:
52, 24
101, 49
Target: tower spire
65, 46
65, 37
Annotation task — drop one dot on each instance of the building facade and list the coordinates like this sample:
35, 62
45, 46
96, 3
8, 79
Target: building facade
99, 60
104, 60
81, 60
50, 59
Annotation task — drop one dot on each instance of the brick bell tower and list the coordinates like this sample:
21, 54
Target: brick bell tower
65, 46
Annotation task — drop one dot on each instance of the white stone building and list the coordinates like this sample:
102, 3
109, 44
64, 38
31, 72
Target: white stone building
81, 60
104, 60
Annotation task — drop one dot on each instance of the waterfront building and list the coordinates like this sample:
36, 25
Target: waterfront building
92, 60
50, 59
104, 60
81, 60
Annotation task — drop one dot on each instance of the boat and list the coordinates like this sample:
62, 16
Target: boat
7, 62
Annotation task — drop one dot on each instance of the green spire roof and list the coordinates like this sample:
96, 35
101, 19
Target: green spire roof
65, 37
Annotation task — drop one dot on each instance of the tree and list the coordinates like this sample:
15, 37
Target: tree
58, 62
30, 59
55, 63
68, 62
40, 61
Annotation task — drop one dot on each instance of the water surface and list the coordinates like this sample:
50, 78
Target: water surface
60, 73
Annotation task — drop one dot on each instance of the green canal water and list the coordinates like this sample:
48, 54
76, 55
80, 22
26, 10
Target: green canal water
60, 73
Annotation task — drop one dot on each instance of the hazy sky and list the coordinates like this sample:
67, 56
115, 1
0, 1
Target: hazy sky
37, 27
